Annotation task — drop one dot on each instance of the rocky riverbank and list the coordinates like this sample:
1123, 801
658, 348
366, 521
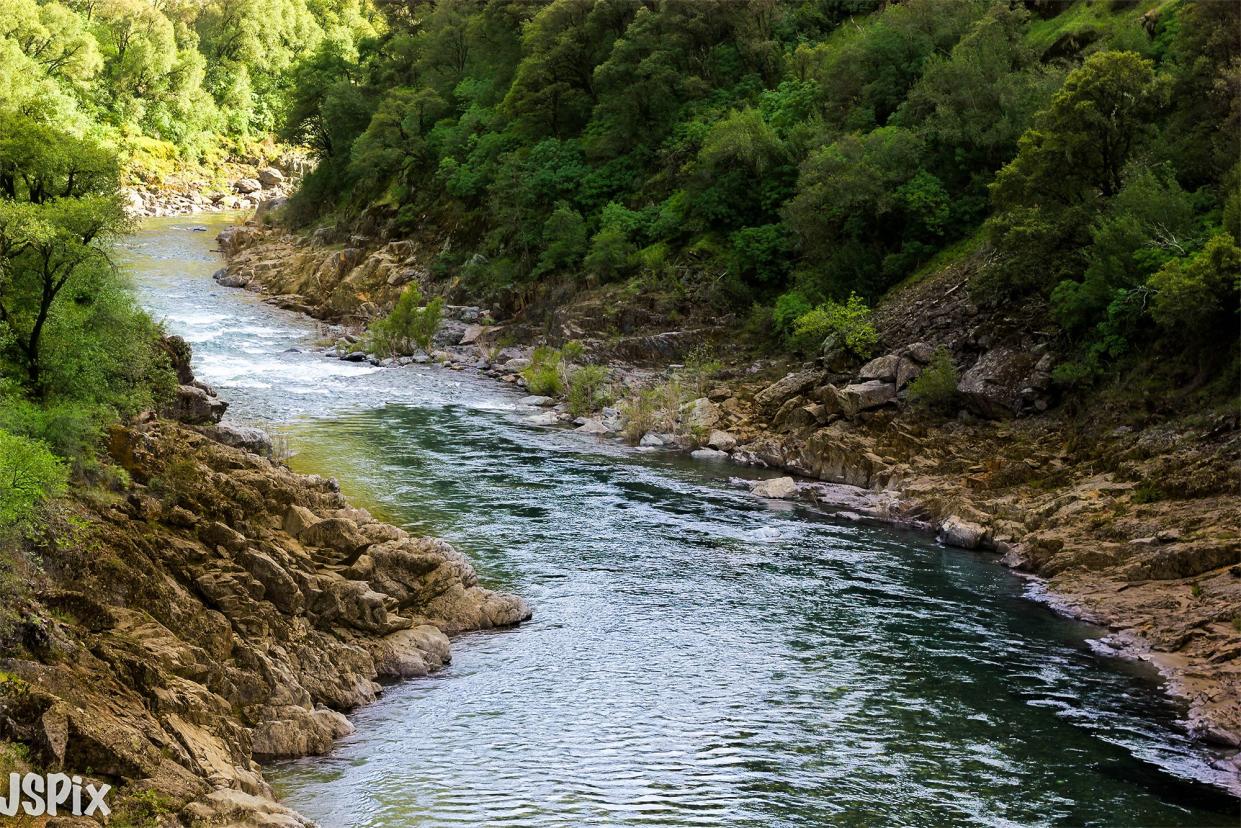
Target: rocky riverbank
209, 609
238, 184
1132, 524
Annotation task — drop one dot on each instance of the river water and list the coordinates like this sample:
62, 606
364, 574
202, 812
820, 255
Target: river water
697, 656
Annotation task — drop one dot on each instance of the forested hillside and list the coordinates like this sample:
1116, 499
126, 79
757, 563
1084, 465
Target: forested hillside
168, 80
771, 160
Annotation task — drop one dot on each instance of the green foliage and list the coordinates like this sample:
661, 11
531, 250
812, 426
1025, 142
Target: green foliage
835, 325
784, 154
935, 389
789, 307
586, 388
409, 324
75, 351
1079, 145
1196, 298
184, 73
543, 374
564, 240
29, 475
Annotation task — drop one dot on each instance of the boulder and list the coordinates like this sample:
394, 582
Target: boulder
180, 355
268, 206
228, 806
547, 418
298, 731
449, 332
864, 396
409, 653
881, 368
920, 352
592, 426
774, 395
232, 278
245, 186
722, 441
196, 406
298, 518
612, 418
993, 386
654, 440
340, 534
133, 203
700, 414
270, 177
956, 531
537, 400
907, 372
708, 454
247, 438
780, 488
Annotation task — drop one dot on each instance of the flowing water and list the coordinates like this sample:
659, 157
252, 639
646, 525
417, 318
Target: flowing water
697, 656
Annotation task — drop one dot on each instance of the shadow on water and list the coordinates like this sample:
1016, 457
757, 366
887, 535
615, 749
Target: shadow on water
697, 657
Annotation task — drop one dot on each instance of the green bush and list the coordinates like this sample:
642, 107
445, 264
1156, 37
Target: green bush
935, 389
831, 324
586, 388
1197, 296
788, 309
29, 475
542, 375
410, 323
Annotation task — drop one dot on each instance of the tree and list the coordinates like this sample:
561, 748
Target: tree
977, 101
59, 213
1196, 298
1078, 146
29, 474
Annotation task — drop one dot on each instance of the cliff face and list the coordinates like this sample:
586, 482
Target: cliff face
218, 611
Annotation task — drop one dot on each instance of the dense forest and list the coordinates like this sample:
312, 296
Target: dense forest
785, 163
775, 159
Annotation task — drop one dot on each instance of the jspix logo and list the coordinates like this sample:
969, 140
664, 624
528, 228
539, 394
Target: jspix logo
38, 795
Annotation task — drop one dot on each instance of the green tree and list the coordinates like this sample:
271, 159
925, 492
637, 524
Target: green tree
1196, 298
29, 474
1079, 145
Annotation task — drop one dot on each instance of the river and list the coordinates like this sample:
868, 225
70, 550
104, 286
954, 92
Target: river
697, 656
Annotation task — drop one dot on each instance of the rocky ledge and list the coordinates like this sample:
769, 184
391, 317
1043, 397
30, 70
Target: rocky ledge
216, 611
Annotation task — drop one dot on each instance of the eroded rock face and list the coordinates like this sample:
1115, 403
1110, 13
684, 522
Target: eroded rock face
230, 610
251, 439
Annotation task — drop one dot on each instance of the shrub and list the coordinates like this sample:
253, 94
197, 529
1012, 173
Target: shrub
700, 367
586, 384
29, 474
935, 388
789, 307
407, 325
542, 375
848, 325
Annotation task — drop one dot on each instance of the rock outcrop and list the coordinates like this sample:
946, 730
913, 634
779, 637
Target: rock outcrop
218, 610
